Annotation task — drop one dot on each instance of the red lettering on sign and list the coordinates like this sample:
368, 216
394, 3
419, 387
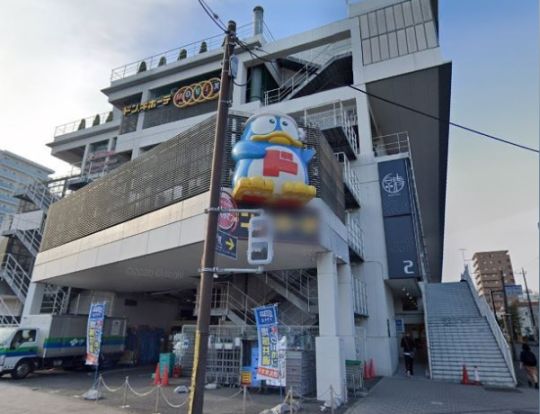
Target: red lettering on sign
279, 161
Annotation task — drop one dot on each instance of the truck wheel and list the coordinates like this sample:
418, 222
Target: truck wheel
22, 369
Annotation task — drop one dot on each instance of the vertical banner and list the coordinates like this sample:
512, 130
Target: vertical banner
94, 332
267, 330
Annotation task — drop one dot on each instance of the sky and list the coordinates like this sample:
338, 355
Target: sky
56, 56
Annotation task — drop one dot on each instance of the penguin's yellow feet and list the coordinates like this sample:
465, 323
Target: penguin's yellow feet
297, 192
253, 189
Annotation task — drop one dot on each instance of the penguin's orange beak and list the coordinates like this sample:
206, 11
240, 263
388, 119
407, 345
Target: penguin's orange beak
279, 138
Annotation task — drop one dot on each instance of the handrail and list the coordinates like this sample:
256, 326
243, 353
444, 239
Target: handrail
6, 316
83, 123
39, 194
349, 176
486, 312
15, 276
299, 282
215, 42
391, 144
423, 288
355, 234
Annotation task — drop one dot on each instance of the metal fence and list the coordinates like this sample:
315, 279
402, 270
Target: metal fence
173, 171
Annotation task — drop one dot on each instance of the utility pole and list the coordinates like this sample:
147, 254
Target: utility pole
507, 320
196, 393
533, 320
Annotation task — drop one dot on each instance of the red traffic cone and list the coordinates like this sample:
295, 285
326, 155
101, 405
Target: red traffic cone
157, 376
371, 368
465, 376
165, 380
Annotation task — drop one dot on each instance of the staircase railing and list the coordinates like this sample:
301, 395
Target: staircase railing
338, 116
486, 312
31, 239
15, 276
6, 317
55, 300
39, 194
355, 234
229, 298
314, 61
423, 288
298, 282
350, 177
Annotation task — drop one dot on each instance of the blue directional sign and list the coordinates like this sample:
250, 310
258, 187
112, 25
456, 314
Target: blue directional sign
226, 245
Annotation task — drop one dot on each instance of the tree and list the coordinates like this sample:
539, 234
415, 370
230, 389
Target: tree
516, 322
182, 54
204, 47
162, 61
142, 67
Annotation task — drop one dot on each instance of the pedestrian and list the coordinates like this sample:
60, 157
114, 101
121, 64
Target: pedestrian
407, 344
528, 362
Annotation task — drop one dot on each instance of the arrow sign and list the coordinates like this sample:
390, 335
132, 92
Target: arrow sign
226, 244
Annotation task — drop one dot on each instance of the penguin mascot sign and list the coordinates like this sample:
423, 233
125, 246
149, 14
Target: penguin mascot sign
272, 162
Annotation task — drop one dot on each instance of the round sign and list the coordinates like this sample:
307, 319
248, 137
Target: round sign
227, 221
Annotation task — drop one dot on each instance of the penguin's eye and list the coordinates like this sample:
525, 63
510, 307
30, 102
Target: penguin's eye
289, 127
263, 124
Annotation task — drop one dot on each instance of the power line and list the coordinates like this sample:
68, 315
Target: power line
213, 16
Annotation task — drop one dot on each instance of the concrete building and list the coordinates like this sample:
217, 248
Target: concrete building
15, 172
347, 290
487, 272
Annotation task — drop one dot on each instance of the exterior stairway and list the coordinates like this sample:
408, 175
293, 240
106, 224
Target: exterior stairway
459, 332
38, 194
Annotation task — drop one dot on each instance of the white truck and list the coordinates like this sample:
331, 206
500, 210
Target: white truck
47, 341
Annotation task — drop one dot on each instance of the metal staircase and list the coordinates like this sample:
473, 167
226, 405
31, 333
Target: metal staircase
37, 193
15, 276
297, 286
314, 62
351, 180
55, 299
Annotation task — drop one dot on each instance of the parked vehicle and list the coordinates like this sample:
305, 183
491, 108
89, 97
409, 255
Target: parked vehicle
46, 341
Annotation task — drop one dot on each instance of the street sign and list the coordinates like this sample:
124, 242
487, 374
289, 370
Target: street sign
226, 245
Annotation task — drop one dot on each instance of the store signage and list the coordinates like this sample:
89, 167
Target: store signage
267, 330
226, 245
189, 95
400, 219
272, 162
94, 332
197, 93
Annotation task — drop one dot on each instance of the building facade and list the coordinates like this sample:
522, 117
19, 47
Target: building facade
347, 291
488, 270
15, 172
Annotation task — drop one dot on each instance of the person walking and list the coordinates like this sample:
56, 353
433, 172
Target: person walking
407, 344
528, 362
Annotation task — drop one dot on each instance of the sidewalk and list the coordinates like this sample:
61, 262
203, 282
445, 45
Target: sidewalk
419, 395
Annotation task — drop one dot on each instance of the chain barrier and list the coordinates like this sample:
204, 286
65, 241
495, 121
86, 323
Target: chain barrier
170, 404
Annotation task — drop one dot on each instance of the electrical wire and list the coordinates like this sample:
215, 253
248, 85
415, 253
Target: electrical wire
213, 16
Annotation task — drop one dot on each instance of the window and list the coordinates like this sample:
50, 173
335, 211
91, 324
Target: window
23, 338
397, 30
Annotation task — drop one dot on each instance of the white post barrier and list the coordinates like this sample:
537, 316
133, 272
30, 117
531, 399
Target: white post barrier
244, 400
332, 402
156, 406
124, 397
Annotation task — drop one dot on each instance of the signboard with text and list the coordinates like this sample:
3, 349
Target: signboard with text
94, 332
267, 332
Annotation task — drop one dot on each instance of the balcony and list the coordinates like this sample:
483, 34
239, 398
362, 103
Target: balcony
186, 51
82, 124
355, 237
351, 181
391, 144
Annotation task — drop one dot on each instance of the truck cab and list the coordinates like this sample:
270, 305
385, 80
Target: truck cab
18, 350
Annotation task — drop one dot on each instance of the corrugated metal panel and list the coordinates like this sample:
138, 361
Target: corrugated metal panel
172, 171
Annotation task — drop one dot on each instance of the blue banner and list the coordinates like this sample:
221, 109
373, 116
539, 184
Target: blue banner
267, 330
94, 332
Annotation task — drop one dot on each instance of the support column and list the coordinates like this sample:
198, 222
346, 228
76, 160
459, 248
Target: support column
34, 298
239, 92
346, 311
328, 345
255, 85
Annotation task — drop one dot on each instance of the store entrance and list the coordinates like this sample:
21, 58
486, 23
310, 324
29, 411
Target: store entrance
418, 334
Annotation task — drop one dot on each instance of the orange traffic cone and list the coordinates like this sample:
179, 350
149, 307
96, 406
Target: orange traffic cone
465, 376
165, 380
371, 368
157, 376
